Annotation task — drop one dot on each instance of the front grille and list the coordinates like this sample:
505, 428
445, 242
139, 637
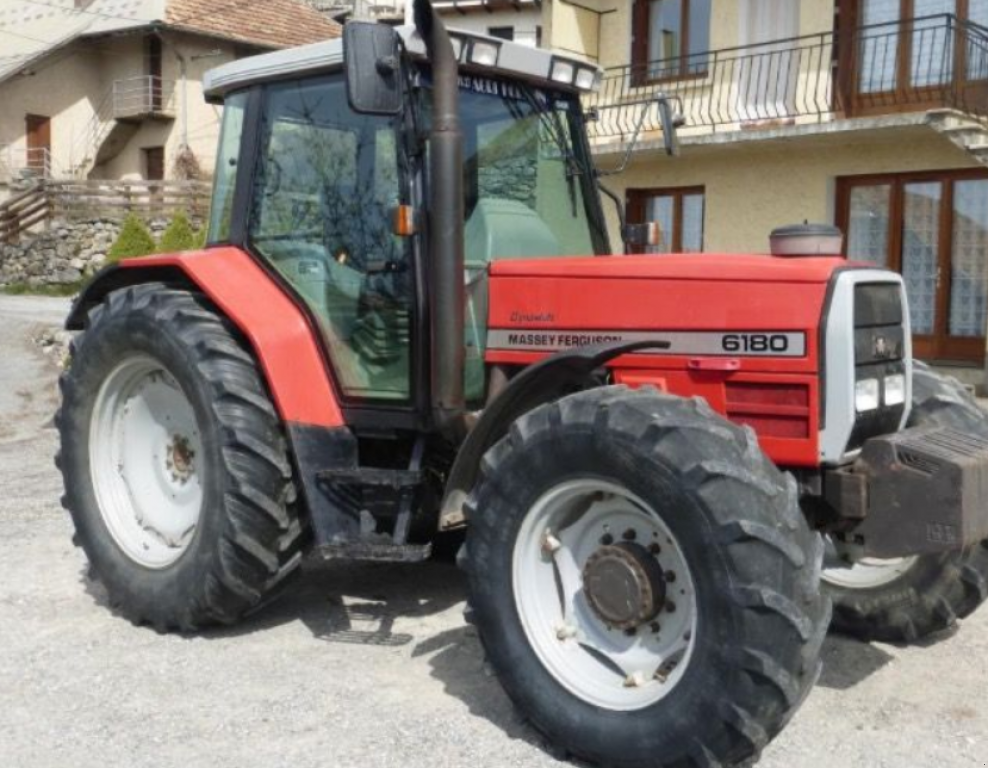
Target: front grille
879, 352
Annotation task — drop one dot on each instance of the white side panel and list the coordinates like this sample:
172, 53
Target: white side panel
839, 348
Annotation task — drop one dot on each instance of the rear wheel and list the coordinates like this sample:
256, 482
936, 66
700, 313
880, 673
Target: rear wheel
643, 581
175, 466
905, 599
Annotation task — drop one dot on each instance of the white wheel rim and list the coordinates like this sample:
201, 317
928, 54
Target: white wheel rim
602, 666
145, 461
866, 573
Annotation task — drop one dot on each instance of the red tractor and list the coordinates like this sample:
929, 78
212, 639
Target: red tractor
407, 321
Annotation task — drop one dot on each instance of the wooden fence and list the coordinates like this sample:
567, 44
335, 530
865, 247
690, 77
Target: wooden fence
84, 200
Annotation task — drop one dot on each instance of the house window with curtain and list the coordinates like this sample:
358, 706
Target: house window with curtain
678, 212
670, 39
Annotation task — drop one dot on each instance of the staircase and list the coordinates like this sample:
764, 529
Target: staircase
966, 131
128, 103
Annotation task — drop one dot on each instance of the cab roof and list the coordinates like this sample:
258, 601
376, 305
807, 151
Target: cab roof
513, 60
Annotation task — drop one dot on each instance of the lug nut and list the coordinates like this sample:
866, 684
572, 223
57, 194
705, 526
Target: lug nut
606, 539
630, 535
670, 606
631, 632
550, 543
655, 627
654, 548
634, 680
670, 576
565, 632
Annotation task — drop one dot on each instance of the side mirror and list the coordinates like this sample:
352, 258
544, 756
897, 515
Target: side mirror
638, 237
671, 121
372, 54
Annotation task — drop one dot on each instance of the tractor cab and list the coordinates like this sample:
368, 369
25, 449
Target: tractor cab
339, 198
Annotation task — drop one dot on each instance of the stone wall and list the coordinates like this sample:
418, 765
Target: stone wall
63, 253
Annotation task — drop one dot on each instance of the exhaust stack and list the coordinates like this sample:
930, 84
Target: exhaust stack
446, 266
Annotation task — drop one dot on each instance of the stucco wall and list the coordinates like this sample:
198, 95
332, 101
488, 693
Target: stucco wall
65, 89
524, 21
70, 88
606, 36
753, 187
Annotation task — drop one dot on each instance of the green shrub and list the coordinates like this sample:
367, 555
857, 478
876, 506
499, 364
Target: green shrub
134, 240
178, 236
201, 236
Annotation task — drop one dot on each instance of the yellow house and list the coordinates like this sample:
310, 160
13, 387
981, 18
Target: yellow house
111, 89
869, 114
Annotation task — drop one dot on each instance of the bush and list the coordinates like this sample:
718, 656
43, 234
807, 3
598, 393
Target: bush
134, 240
178, 236
201, 237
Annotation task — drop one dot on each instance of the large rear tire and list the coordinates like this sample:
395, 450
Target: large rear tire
588, 509
174, 462
906, 599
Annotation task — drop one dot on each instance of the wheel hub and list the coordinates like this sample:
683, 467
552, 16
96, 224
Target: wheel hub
624, 585
179, 459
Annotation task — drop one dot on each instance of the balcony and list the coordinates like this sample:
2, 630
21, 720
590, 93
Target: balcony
933, 62
139, 98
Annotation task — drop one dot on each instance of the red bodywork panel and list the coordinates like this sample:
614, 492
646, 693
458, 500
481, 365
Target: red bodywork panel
284, 342
697, 299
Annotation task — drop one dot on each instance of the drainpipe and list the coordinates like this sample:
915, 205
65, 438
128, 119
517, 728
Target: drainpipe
446, 269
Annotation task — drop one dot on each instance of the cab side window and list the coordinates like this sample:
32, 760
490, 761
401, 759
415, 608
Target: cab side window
327, 186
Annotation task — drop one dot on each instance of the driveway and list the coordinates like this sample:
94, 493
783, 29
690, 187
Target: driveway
359, 665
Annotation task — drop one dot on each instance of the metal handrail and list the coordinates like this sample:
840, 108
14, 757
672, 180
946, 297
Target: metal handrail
143, 95
805, 78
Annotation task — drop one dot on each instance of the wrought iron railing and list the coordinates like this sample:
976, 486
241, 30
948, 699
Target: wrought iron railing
922, 63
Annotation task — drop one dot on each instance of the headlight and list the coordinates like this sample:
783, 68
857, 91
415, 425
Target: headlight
563, 71
483, 53
866, 395
585, 78
895, 389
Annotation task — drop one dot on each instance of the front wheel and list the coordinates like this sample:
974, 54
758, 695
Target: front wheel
643, 581
906, 599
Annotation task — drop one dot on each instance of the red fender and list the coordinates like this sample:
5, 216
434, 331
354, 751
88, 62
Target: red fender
285, 343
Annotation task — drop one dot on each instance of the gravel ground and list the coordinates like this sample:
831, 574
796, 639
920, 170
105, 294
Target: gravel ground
366, 666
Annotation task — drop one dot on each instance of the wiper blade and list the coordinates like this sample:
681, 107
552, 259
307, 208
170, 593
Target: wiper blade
552, 122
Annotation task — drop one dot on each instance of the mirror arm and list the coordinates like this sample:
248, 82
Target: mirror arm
663, 102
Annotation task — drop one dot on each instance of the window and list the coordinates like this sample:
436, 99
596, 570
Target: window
503, 33
323, 202
933, 228
671, 39
678, 212
227, 156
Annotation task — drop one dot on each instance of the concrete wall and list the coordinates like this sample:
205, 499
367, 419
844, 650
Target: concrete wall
753, 187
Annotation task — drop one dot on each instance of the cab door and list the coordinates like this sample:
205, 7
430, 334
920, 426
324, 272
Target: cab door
324, 197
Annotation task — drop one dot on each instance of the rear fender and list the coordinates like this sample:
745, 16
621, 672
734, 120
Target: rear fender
283, 340
547, 380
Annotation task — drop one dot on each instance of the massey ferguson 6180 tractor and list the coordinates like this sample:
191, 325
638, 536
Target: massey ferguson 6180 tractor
407, 321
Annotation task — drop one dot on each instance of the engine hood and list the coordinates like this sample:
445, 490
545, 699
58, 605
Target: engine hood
748, 268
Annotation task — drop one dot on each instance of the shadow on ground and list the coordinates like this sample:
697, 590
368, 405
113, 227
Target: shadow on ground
368, 604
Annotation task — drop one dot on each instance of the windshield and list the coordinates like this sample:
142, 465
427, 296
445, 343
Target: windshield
528, 183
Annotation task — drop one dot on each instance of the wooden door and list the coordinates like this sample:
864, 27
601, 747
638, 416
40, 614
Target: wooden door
38, 143
933, 229
154, 163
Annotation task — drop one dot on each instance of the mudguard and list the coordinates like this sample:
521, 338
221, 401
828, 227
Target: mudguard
547, 380
283, 340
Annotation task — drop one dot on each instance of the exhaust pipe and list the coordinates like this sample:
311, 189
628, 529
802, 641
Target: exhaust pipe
445, 258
